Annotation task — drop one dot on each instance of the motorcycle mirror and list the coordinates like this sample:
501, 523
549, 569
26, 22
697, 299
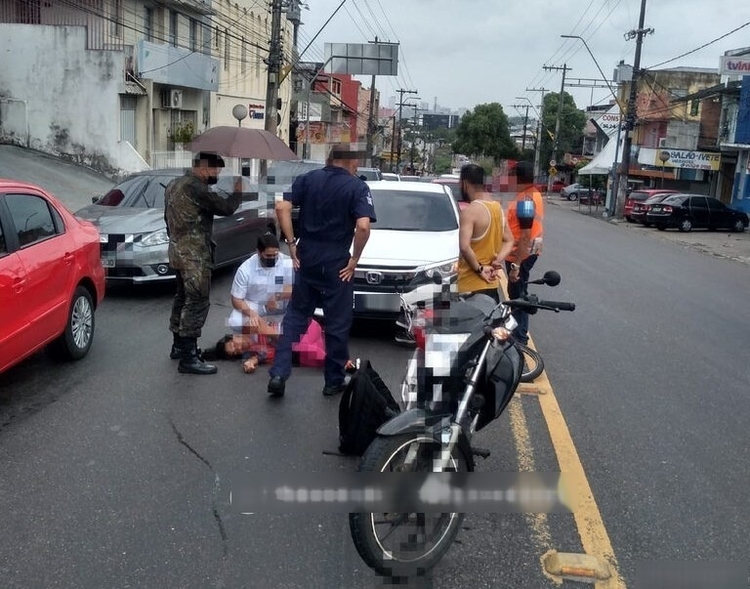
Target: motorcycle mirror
551, 278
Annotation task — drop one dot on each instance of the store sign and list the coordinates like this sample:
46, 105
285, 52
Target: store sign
608, 122
734, 66
693, 160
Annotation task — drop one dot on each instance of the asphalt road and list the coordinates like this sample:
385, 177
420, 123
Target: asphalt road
653, 381
117, 469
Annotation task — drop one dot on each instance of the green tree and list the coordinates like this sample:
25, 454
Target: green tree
572, 123
485, 132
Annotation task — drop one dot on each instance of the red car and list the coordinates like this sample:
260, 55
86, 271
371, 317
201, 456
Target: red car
642, 207
640, 196
557, 186
453, 182
51, 276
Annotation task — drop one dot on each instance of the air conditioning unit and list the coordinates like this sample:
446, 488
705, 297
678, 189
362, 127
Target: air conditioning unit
662, 142
175, 99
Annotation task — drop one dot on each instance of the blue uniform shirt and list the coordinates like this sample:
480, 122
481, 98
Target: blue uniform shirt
330, 201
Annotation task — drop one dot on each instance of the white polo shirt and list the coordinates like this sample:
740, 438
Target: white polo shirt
256, 284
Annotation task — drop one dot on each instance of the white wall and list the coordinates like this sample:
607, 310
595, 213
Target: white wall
71, 94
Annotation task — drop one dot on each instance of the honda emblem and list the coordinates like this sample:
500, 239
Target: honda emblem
374, 277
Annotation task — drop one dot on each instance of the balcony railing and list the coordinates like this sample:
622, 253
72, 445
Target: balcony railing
101, 32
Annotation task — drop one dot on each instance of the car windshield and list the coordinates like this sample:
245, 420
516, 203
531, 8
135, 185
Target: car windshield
413, 211
144, 191
637, 195
147, 192
674, 200
655, 198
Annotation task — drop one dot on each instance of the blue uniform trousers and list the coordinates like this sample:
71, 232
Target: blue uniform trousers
518, 289
318, 286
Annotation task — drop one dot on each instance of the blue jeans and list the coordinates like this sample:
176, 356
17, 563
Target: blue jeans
318, 286
516, 290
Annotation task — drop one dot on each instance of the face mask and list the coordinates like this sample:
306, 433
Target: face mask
212, 180
267, 262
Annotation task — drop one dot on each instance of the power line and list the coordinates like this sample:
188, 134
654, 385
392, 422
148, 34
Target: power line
699, 48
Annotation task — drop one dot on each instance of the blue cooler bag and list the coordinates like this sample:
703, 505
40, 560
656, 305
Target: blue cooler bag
525, 212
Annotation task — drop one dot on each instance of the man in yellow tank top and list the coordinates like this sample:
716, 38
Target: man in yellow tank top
484, 236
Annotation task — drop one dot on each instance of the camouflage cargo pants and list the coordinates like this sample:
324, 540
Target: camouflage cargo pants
191, 301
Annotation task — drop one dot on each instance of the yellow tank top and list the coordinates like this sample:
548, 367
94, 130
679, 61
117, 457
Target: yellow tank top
485, 248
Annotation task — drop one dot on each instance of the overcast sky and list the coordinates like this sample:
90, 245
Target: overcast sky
469, 52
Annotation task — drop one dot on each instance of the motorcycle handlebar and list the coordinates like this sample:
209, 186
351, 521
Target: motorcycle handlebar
537, 304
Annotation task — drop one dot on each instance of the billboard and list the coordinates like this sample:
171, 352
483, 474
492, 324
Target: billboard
734, 66
681, 158
372, 59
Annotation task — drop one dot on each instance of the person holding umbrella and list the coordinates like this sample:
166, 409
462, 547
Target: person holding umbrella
335, 208
189, 209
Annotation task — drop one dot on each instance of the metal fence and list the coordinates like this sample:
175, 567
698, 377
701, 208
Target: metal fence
170, 159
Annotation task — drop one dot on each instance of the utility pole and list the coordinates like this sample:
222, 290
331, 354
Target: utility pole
371, 120
273, 61
415, 124
622, 189
525, 122
401, 104
556, 142
293, 12
540, 126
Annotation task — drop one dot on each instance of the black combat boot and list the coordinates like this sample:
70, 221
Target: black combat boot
190, 361
177, 343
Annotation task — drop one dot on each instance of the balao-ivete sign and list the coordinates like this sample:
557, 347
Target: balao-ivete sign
694, 160
734, 66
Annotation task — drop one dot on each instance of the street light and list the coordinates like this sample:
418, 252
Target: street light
619, 123
586, 45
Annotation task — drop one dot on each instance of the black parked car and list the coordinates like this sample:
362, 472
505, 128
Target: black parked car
686, 211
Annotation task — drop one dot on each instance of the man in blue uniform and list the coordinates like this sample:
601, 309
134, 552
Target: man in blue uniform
335, 208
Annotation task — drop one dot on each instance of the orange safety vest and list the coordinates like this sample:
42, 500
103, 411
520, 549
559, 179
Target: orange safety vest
537, 229
485, 248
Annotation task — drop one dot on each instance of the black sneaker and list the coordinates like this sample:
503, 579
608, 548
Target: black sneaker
405, 337
276, 386
330, 391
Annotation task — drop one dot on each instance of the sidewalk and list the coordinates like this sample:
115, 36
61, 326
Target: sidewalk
722, 244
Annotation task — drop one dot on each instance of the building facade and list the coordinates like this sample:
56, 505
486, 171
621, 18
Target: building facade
120, 86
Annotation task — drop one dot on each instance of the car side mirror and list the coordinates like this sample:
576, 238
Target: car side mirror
363, 178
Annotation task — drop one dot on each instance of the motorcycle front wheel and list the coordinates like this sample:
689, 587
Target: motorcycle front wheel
405, 544
533, 365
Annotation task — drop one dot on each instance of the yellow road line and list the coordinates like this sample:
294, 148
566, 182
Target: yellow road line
594, 537
526, 463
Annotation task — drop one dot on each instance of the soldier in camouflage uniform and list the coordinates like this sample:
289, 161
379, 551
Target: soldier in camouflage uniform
189, 209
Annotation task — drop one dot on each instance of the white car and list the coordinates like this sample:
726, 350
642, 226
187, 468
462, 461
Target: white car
416, 235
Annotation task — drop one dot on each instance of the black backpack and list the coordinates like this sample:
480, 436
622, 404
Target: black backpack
365, 405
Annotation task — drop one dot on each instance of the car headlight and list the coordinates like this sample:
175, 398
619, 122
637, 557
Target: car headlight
156, 238
445, 269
